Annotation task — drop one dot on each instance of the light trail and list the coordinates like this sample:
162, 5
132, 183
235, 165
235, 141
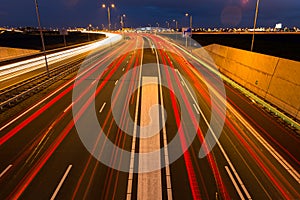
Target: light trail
16, 69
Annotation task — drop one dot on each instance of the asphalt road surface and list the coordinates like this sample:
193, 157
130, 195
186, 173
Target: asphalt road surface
138, 122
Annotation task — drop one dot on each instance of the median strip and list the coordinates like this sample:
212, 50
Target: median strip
149, 184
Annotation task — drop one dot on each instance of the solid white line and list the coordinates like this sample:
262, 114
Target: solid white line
196, 109
234, 183
168, 175
116, 82
94, 82
6, 169
219, 144
101, 109
68, 107
269, 148
129, 184
194, 99
226, 157
61, 182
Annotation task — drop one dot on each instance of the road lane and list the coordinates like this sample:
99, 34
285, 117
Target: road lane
37, 158
276, 184
31, 128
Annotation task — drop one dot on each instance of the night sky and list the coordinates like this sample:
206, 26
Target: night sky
206, 13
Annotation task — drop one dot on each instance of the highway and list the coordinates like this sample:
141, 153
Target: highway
130, 125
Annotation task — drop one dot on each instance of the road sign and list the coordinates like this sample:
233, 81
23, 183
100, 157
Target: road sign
187, 32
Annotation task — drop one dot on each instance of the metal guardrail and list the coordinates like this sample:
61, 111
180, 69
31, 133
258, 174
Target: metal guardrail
39, 77
49, 52
57, 73
9, 102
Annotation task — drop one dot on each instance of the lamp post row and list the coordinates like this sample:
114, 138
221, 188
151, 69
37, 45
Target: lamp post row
108, 13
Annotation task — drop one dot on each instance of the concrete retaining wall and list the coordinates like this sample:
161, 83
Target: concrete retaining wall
274, 79
10, 53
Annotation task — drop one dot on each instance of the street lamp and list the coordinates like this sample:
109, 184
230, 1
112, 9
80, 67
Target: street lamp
168, 24
89, 29
42, 37
123, 20
108, 13
176, 24
254, 26
191, 19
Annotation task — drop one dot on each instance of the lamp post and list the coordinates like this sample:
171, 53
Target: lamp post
123, 20
191, 19
176, 24
122, 25
108, 13
89, 29
254, 25
168, 24
42, 37
191, 23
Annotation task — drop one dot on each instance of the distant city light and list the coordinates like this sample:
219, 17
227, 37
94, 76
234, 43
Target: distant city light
278, 26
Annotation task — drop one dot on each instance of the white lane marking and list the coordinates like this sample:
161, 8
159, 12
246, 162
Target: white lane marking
36, 105
68, 107
196, 109
195, 104
94, 82
168, 175
6, 169
226, 157
116, 82
131, 165
269, 148
101, 109
61, 182
234, 183
194, 99
219, 144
